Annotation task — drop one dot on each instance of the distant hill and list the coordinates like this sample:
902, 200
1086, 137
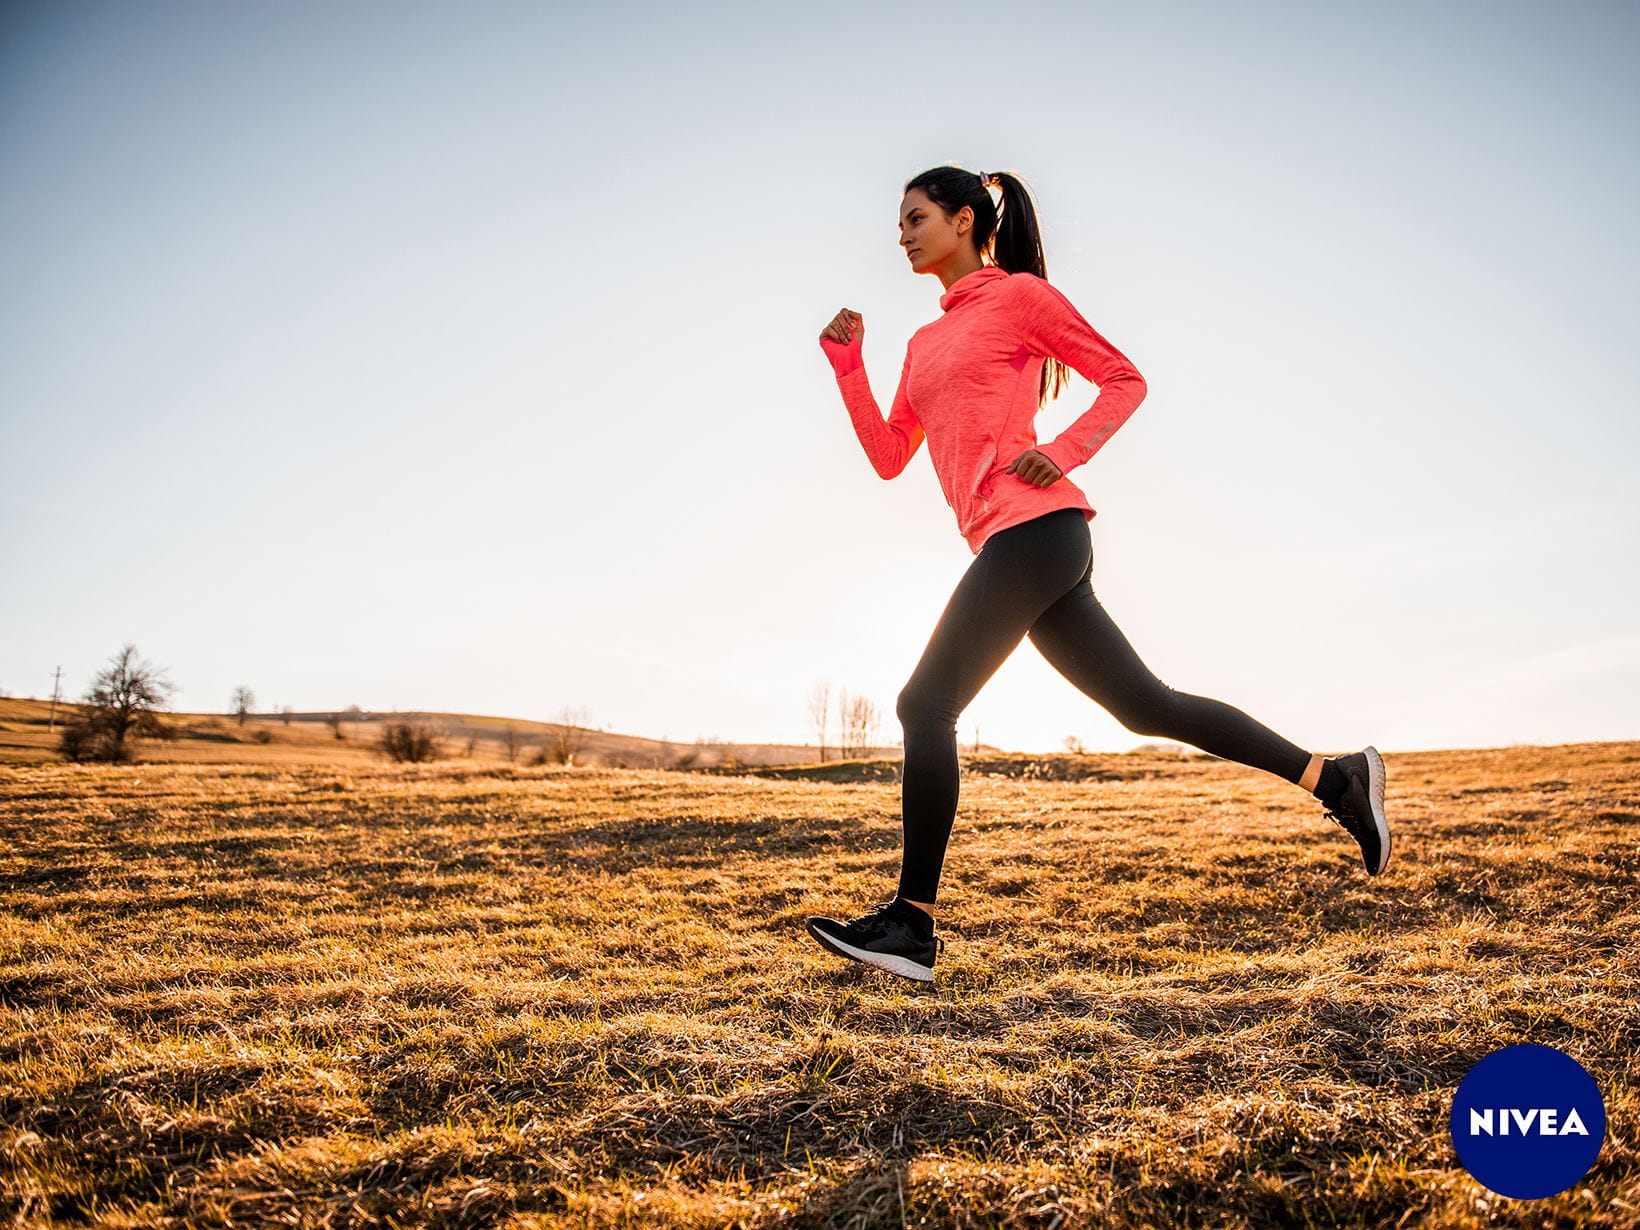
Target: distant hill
308, 738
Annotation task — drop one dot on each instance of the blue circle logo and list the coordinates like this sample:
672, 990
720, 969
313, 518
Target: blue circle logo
1527, 1121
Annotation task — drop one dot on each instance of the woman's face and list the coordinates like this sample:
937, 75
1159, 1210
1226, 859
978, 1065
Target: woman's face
929, 238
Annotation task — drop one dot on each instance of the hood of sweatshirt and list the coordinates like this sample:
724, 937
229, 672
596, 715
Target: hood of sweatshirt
970, 284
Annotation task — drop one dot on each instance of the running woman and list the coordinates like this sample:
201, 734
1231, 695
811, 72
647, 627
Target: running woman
971, 384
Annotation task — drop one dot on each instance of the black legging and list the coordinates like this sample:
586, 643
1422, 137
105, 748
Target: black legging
1034, 578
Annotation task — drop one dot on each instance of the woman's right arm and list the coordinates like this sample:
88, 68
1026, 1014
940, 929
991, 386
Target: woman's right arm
891, 445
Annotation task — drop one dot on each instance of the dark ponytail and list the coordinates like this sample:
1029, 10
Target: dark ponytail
1012, 239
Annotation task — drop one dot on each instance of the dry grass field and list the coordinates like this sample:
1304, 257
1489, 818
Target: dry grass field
485, 995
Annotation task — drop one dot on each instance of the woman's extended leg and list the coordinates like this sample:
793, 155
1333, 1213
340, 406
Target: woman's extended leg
1077, 635
1018, 574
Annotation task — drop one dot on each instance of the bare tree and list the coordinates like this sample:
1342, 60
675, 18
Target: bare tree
870, 722
860, 720
334, 721
124, 701
1073, 744
243, 701
511, 741
820, 712
569, 736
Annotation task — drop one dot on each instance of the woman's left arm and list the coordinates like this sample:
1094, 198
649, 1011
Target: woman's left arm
1054, 328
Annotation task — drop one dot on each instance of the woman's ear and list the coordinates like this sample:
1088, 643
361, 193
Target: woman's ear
964, 219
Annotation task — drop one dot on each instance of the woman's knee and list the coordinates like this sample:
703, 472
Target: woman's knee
1156, 711
919, 707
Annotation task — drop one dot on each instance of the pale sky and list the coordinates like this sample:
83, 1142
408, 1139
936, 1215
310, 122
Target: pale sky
464, 357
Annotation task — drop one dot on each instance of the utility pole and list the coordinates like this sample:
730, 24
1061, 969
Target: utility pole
56, 687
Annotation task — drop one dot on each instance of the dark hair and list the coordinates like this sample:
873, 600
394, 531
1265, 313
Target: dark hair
1012, 239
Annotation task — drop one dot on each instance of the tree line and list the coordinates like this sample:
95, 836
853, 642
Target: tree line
858, 721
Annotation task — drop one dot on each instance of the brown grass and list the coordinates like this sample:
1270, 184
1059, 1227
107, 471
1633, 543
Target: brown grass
460, 995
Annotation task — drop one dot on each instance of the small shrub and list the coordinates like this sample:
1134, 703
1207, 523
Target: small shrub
87, 740
408, 741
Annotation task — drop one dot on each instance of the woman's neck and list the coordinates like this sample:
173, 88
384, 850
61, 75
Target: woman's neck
960, 267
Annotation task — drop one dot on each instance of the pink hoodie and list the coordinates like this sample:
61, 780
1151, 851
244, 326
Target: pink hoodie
970, 381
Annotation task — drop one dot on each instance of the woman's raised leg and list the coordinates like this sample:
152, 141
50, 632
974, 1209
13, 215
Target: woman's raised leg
1077, 635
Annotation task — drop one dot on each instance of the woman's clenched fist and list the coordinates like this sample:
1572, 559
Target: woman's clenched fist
841, 340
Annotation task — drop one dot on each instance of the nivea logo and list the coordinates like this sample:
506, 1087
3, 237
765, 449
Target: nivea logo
1540, 1120
1527, 1121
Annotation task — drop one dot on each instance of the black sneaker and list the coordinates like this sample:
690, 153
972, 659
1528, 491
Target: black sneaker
883, 936
1360, 809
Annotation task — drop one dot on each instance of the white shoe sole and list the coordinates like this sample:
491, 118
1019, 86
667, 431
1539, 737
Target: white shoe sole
1375, 791
903, 966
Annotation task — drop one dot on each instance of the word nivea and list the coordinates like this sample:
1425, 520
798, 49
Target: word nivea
1538, 1121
